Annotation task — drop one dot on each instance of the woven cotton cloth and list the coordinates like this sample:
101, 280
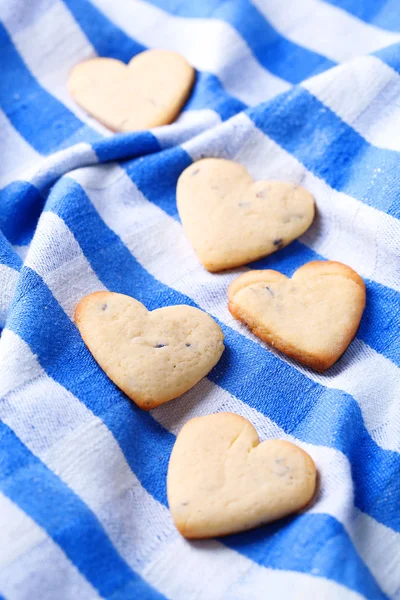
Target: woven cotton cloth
303, 90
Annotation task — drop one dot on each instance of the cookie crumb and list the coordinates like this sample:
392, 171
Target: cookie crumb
278, 243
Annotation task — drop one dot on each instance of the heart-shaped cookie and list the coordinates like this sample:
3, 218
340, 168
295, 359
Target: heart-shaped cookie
311, 317
152, 356
150, 91
221, 480
231, 220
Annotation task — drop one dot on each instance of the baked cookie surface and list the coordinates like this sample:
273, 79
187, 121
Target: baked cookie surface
311, 317
153, 356
231, 220
221, 480
147, 92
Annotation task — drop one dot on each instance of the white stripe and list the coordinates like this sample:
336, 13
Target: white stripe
17, 366
17, 154
32, 565
21, 535
60, 263
208, 44
372, 544
45, 418
22, 251
324, 28
61, 162
143, 227
218, 573
8, 281
62, 45
345, 229
188, 125
89, 460
364, 93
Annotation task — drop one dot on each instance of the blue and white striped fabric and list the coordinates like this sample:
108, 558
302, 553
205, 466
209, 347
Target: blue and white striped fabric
304, 90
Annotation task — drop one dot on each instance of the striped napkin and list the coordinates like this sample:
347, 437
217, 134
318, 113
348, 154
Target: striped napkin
307, 91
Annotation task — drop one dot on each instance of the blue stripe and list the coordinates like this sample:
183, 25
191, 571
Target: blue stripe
44, 122
390, 56
21, 206
105, 37
331, 149
244, 361
269, 47
67, 520
8, 256
126, 145
38, 318
378, 325
209, 93
305, 536
381, 13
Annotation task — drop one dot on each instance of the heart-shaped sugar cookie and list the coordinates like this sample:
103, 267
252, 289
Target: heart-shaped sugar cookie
231, 220
150, 91
221, 480
152, 356
311, 317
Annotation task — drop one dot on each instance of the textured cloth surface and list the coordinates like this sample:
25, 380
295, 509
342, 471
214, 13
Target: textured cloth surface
302, 90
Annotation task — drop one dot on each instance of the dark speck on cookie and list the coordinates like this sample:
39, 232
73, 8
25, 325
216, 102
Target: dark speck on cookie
269, 290
278, 243
194, 172
104, 307
160, 346
187, 345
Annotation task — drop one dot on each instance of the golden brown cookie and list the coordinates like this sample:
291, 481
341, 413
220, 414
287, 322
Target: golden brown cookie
311, 317
149, 91
152, 356
231, 220
221, 480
